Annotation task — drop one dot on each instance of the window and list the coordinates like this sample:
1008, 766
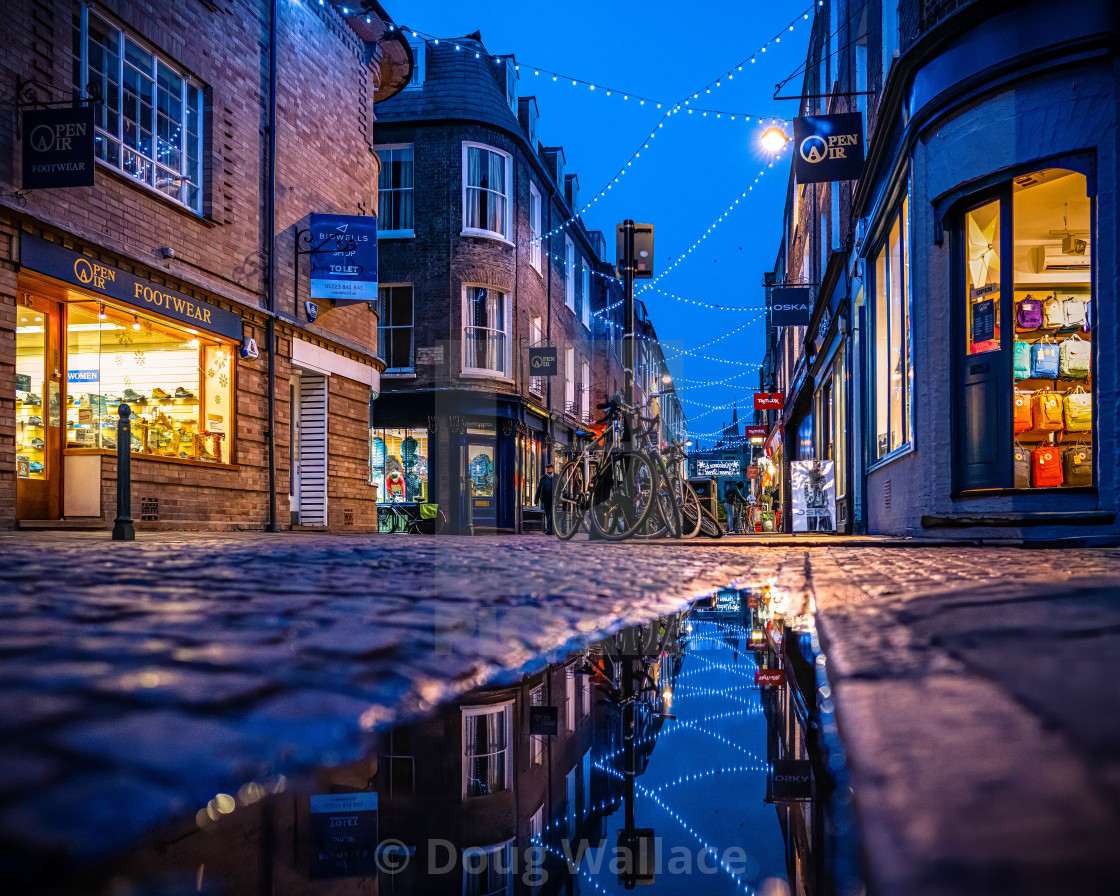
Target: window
891, 338
398, 464
570, 380
585, 392
585, 293
488, 870
535, 227
532, 465
149, 118
394, 191
394, 327
536, 741
178, 383
486, 342
536, 338
890, 36
511, 86
569, 274
570, 696
487, 764
419, 52
487, 182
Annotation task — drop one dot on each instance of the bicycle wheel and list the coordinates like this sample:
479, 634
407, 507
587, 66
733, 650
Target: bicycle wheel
568, 500
667, 504
689, 502
622, 495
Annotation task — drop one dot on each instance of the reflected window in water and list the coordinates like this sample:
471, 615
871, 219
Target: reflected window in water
486, 759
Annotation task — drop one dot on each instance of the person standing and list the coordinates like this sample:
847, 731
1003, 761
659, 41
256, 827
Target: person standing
544, 497
731, 505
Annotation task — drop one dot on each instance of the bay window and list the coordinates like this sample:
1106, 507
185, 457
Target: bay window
394, 191
487, 191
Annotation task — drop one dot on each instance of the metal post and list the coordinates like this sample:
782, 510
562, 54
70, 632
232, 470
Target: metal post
628, 313
122, 525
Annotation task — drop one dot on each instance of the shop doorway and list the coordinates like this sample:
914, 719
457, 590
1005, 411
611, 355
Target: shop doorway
38, 437
482, 491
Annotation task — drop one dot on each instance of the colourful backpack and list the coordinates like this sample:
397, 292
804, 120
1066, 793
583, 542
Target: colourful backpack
1046, 467
1073, 358
1046, 411
1022, 363
1078, 411
1022, 404
1073, 310
1022, 467
1077, 465
1044, 359
1053, 318
1028, 314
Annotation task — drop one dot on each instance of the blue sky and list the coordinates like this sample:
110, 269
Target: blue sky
692, 171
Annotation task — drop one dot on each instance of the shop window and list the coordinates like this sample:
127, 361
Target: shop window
891, 356
398, 464
178, 383
394, 191
532, 464
487, 183
1028, 326
487, 766
149, 113
535, 227
486, 342
395, 327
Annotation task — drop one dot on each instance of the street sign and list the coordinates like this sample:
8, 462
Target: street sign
791, 306
769, 401
544, 720
58, 147
793, 779
770, 678
828, 147
543, 360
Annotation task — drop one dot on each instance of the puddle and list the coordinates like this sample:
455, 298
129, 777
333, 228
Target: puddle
671, 755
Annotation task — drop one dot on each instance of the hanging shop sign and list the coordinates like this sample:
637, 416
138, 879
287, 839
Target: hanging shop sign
770, 678
344, 833
791, 306
793, 779
769, 401
543, 361
755, 432
828, 148
344, 258
81, 270
752, 603
813, 491
752, 472
58, 148
544, 720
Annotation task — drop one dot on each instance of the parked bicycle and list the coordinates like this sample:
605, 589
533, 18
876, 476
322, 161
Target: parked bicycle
421, 518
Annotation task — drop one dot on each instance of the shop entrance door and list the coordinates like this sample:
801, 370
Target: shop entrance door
482, 482
38, 409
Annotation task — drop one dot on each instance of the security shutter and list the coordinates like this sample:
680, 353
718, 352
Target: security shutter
313, 449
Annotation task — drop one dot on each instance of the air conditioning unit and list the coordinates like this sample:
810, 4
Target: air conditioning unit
1051, 259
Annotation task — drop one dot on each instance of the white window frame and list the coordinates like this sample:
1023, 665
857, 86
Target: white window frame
383, 326
490, 709
585, 289
569, 273
536, 337
385, 232
569, 380
189, 87
535, 240
537, 741
507, 354
585, 392
509, 194
511, 86
570, 697
419, 54
489, 851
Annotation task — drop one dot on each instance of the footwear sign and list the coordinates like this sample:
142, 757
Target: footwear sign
793, 779
828, 148
58, 148
344, 834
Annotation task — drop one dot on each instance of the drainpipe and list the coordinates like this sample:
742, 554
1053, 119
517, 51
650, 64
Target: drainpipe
270, 223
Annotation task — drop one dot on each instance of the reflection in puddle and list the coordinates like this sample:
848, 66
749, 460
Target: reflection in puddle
647, 757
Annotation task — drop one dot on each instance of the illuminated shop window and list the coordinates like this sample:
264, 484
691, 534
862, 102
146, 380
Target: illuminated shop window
398, 462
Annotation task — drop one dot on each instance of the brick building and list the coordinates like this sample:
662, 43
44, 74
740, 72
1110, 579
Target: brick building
483, 257
144, 287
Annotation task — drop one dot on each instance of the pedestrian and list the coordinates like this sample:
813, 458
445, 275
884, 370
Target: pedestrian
731, 505
544, 497
751, 510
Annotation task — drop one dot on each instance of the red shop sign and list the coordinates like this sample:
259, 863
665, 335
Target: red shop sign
755, 432
769, 401
752, 472
770, 678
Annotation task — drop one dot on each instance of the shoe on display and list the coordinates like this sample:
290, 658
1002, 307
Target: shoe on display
37, 444
36, 467
159, 393
183, 393
33, 400
107, 442
130, 396
23, 457
34, 421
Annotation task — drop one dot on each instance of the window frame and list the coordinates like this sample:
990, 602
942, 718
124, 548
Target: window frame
507, 352
419, 65
488, 709
569, 380
507, 222
187, 82
536, 339
535, 240
490, 850
404, 232
570, 273
383, 326
585, 290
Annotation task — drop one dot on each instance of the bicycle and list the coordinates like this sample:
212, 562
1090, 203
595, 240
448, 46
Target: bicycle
398, 519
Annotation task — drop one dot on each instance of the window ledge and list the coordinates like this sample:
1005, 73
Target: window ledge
396, 234
398, 375
485, 235
106, 168
478, 373
184, 461
892, 457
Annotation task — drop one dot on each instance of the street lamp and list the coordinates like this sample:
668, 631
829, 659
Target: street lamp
774, 139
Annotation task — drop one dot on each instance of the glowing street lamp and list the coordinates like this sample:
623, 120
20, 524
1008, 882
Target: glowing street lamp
774, 139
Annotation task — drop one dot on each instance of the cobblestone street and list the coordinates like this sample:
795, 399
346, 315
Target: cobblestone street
141, 679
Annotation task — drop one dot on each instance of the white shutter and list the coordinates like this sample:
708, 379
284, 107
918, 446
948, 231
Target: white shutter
313, 449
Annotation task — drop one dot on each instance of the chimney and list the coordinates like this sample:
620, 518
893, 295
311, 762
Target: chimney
571, 191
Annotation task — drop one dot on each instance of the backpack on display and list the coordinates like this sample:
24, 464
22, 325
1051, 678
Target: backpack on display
1046, 411
1077, 465
1022, 363
1046, 467
1044, 359
1053, 317
1022, 467
1073, 358
1078, 411
1073, 310
1022, 405
1028, 314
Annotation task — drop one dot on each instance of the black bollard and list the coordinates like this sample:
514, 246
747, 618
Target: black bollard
122, 525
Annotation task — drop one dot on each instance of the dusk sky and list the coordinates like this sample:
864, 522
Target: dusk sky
693, 171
